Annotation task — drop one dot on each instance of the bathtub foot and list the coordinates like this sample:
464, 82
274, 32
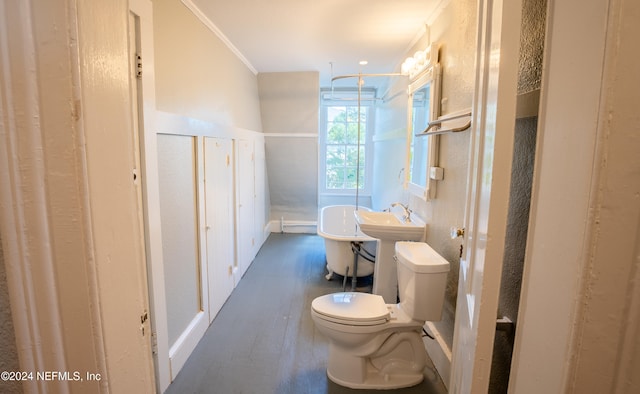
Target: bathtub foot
329, 276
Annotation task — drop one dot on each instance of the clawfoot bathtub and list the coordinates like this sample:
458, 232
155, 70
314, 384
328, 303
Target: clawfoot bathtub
337, 225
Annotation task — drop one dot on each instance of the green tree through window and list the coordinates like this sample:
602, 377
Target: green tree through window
341, 158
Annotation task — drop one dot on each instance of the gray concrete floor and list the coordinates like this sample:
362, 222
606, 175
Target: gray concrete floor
263, 340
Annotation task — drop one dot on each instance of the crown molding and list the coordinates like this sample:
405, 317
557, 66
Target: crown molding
211, 26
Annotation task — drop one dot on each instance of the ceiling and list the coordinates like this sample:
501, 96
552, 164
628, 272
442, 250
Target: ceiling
328, 36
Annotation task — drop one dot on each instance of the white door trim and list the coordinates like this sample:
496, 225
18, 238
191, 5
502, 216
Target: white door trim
151, 198
562, 239
27, 235
169, 358
59, 279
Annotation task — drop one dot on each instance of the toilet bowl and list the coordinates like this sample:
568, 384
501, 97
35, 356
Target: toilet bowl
376, 345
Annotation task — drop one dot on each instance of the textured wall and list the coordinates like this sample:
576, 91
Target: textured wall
455, 31
518, 217
531, 45
8, 352
529, 77
515, 247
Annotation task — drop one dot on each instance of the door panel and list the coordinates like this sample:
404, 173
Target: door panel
180, 211
487, 194
218, 159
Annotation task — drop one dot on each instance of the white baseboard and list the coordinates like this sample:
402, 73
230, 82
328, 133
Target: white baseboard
186, 343
293, 226
439, 352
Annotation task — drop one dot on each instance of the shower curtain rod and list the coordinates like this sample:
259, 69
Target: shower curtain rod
359, 76
366, 75
356, 99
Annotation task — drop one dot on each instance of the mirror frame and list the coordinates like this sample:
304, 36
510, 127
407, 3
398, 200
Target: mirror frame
431, 75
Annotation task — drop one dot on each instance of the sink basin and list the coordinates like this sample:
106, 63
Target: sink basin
389, 226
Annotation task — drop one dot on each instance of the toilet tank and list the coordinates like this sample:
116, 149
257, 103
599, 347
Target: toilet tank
422, 280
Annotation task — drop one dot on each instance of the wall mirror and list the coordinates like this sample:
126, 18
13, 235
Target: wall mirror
424, 97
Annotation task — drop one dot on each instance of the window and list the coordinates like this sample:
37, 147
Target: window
345, 154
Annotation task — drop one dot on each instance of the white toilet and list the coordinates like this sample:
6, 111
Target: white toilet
376, 345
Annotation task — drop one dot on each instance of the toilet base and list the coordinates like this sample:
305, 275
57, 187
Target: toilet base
377, 382
398, 363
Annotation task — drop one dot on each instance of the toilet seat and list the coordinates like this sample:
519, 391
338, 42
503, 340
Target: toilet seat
356, 309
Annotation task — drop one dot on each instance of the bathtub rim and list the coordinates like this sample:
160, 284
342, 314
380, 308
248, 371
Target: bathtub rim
361, 237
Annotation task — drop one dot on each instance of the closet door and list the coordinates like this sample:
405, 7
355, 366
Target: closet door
180, 213
246, 205
218, 168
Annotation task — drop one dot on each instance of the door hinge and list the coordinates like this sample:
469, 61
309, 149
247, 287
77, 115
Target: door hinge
154, 342
143, 318
138, 63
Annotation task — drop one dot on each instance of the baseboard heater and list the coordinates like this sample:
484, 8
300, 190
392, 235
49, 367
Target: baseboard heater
298, 226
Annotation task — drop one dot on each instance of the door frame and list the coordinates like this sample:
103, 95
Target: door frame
168, 358
143, 10
586, 165
70, 248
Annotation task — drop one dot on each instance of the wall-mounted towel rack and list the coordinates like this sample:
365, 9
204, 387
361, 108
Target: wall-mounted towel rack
452, 123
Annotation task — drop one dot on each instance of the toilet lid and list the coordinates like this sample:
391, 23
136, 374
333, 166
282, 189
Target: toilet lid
352, 308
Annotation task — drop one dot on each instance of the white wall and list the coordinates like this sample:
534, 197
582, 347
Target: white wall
203, 90
289, 104
454, 30
197, 75
390, 147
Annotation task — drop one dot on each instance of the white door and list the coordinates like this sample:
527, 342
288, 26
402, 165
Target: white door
246, 205
218, 174
141, 53
487, 194
181, 182
138, 130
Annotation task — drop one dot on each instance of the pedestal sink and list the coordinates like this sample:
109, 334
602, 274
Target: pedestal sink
388, 227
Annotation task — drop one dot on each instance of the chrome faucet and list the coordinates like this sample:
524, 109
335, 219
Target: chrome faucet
407, 212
